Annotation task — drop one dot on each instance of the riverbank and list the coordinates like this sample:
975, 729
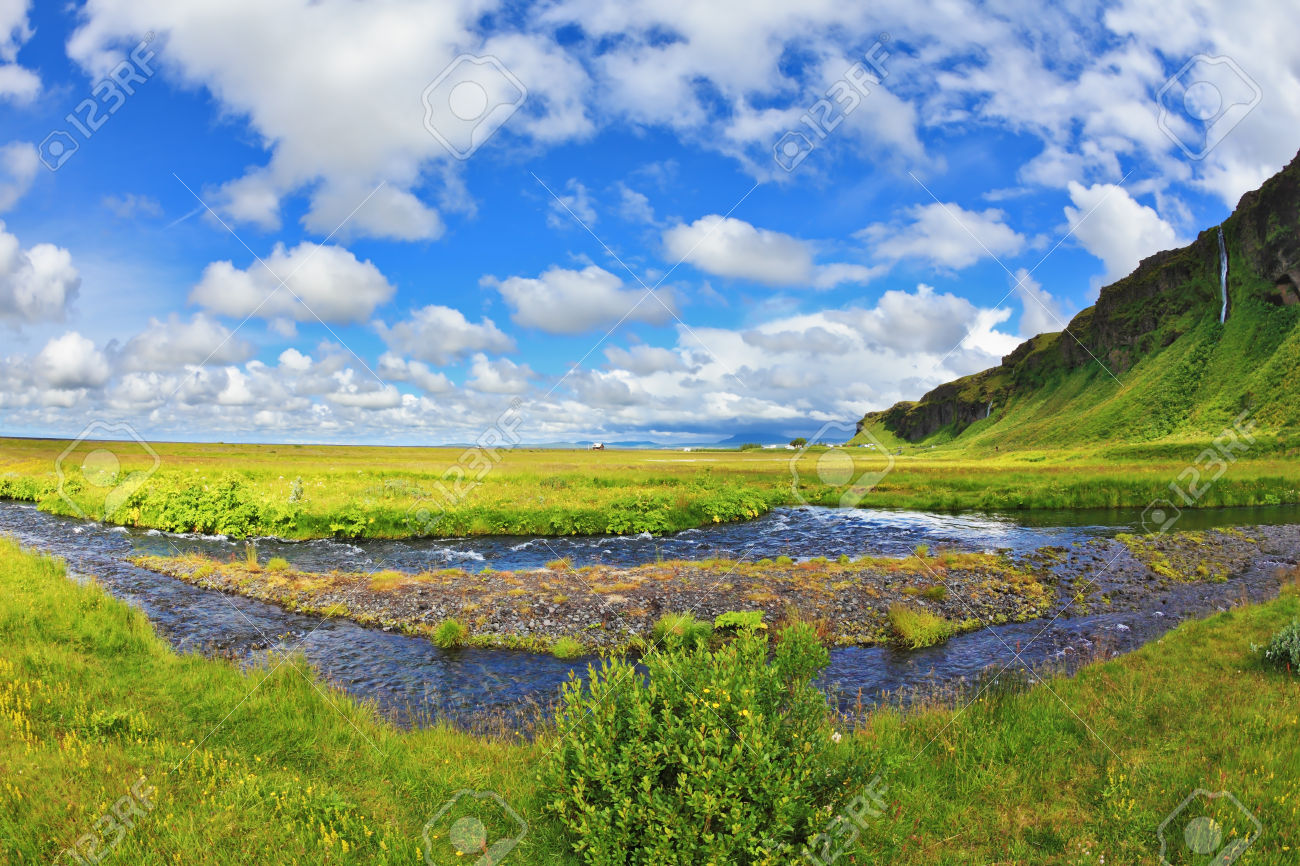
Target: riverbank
268, 766
299, 491
863, 601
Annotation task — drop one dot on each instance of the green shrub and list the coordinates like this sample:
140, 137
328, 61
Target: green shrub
567, 648
277, 563
1283, 649
739, 620
450, 633
680, 630
938, 592
917, 628
711, 757
784, 560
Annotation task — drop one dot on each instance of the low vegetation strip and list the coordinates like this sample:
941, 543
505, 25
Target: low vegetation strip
602, 608
205, 763
304, 491
913, 601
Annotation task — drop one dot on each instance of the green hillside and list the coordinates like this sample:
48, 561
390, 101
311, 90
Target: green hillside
1150, 360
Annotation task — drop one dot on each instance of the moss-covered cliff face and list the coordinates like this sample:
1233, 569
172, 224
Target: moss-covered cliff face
1150, 358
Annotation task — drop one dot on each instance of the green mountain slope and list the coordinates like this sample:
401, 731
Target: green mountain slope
1150, 360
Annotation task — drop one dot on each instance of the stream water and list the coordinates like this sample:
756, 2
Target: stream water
411, 680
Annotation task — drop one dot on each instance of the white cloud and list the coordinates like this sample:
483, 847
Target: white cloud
729, 247
944, 236
1040, 312
36, 284
19, 164
72, 361
574, 206
563, 301
645, 360
416, 372
1117, 229
441, 335
131, 205
176, 343
17, 83
500, 376
325, 282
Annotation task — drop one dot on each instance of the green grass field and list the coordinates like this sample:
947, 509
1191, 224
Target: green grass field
350, 491
271, 766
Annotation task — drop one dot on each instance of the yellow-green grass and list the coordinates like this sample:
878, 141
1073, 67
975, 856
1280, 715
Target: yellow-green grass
261, 766
916, 628
303, 491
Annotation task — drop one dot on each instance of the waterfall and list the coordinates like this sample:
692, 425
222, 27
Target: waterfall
1223, 277
989, 411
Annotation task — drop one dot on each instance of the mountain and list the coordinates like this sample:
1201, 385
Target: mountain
1150, 360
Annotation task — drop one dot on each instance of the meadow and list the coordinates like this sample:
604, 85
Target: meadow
311, 491
114, 744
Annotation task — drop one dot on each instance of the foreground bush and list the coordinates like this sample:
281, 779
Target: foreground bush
708, 757
1283, 650
916, 628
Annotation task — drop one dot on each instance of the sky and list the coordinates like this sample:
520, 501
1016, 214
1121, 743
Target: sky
392, 222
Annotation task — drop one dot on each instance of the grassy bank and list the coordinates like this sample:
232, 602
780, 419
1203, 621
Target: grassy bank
266, 766
317, 491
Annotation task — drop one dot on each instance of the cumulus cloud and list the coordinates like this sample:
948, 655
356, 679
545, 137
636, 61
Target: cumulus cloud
564, 301
572, 207
441, 335
17, 83
72, 361
18, 166
1114, 227
645, 360
416, 372
944, 236
730, 247
499, 376
36, 284
1040, 312
131, 205
321, 282
177, 343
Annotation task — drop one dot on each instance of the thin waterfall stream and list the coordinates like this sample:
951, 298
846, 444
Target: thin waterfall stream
1223, 277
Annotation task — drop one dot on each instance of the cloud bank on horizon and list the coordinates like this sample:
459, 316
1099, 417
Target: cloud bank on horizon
386, 222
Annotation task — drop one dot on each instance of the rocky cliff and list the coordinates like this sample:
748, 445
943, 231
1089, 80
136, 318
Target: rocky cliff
1168, 296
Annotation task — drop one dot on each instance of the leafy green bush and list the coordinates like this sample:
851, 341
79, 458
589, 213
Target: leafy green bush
680, 630
1283, 649
917, 628
450, 633
739, 620
712, 757
567, 648
277, 563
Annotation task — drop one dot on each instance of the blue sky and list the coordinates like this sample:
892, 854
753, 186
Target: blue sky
990, 166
